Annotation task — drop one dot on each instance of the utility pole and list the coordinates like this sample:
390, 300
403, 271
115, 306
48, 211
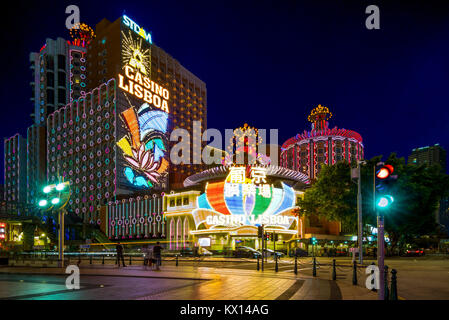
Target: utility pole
380, 253
61, 238
358, 174
359, 212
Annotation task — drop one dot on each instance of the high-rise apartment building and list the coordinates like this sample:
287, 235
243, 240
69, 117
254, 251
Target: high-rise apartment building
123, 47
15, 166
58, 76
429, 155
36, 162
433, 155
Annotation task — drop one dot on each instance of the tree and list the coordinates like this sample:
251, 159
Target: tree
416, 192
333, 195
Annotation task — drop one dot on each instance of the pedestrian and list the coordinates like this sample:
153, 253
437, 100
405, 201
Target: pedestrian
148, 256
157, 254
119, 249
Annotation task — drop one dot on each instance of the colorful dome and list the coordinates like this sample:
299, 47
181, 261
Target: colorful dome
270, 202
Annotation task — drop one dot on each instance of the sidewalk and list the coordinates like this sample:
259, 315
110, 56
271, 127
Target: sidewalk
221, 283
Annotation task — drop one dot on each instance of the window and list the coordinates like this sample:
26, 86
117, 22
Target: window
172, 202
50, 79
185, 201
178, 202
50, 96
61, 61
61, 79
61, 96
50, 63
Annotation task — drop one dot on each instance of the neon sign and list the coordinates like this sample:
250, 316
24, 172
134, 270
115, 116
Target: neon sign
245, 198
135, 27
143, 146
143, 88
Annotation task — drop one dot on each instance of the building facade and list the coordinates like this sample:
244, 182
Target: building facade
36, 161
15, 155
124, 43
429, 155
58, 70
433, 155
81, 149
306, 151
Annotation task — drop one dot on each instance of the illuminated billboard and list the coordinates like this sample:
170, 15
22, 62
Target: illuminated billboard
143, 109
245, 198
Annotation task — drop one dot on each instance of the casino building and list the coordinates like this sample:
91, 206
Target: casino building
223, 206
306, 151
123, 43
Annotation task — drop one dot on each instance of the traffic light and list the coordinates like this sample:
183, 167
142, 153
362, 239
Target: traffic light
384, 180
260, 232
267, 236
276, 237
313, 241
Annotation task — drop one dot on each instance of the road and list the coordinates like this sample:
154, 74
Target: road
418, 278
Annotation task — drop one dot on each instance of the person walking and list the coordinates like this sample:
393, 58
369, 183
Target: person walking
157, 254
119, 249
148, 257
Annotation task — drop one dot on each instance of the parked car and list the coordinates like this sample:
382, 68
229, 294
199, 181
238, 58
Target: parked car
299, 252
271, 253
414, 253
246, 252
186, 252
205, 252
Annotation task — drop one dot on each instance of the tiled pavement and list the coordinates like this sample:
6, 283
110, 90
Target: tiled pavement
221, 284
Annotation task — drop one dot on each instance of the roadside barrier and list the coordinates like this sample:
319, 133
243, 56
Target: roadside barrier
386, 293
276, 267
394, 289
296, 264
354, 273
334, 272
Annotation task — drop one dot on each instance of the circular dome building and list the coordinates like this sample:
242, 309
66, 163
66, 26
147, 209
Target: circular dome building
306, 151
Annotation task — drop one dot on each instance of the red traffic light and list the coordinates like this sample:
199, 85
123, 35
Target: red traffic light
385, 171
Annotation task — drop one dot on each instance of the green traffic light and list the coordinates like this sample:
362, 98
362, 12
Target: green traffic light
60, 186
55, 200
42, 203
385, 201
47, 189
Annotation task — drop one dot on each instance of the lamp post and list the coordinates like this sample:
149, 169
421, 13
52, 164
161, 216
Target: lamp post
55, 197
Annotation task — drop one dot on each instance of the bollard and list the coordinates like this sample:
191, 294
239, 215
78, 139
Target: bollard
276, 267
102, 262
374, 279
386, 293
258, 266
90, 259
296, 264
354, 273
394, 289
334, 271
176, 260
314, 267
130, 261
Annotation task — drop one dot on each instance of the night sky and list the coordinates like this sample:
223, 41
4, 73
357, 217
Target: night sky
269, 63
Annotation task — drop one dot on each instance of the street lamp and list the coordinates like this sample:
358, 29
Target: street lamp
56, 197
